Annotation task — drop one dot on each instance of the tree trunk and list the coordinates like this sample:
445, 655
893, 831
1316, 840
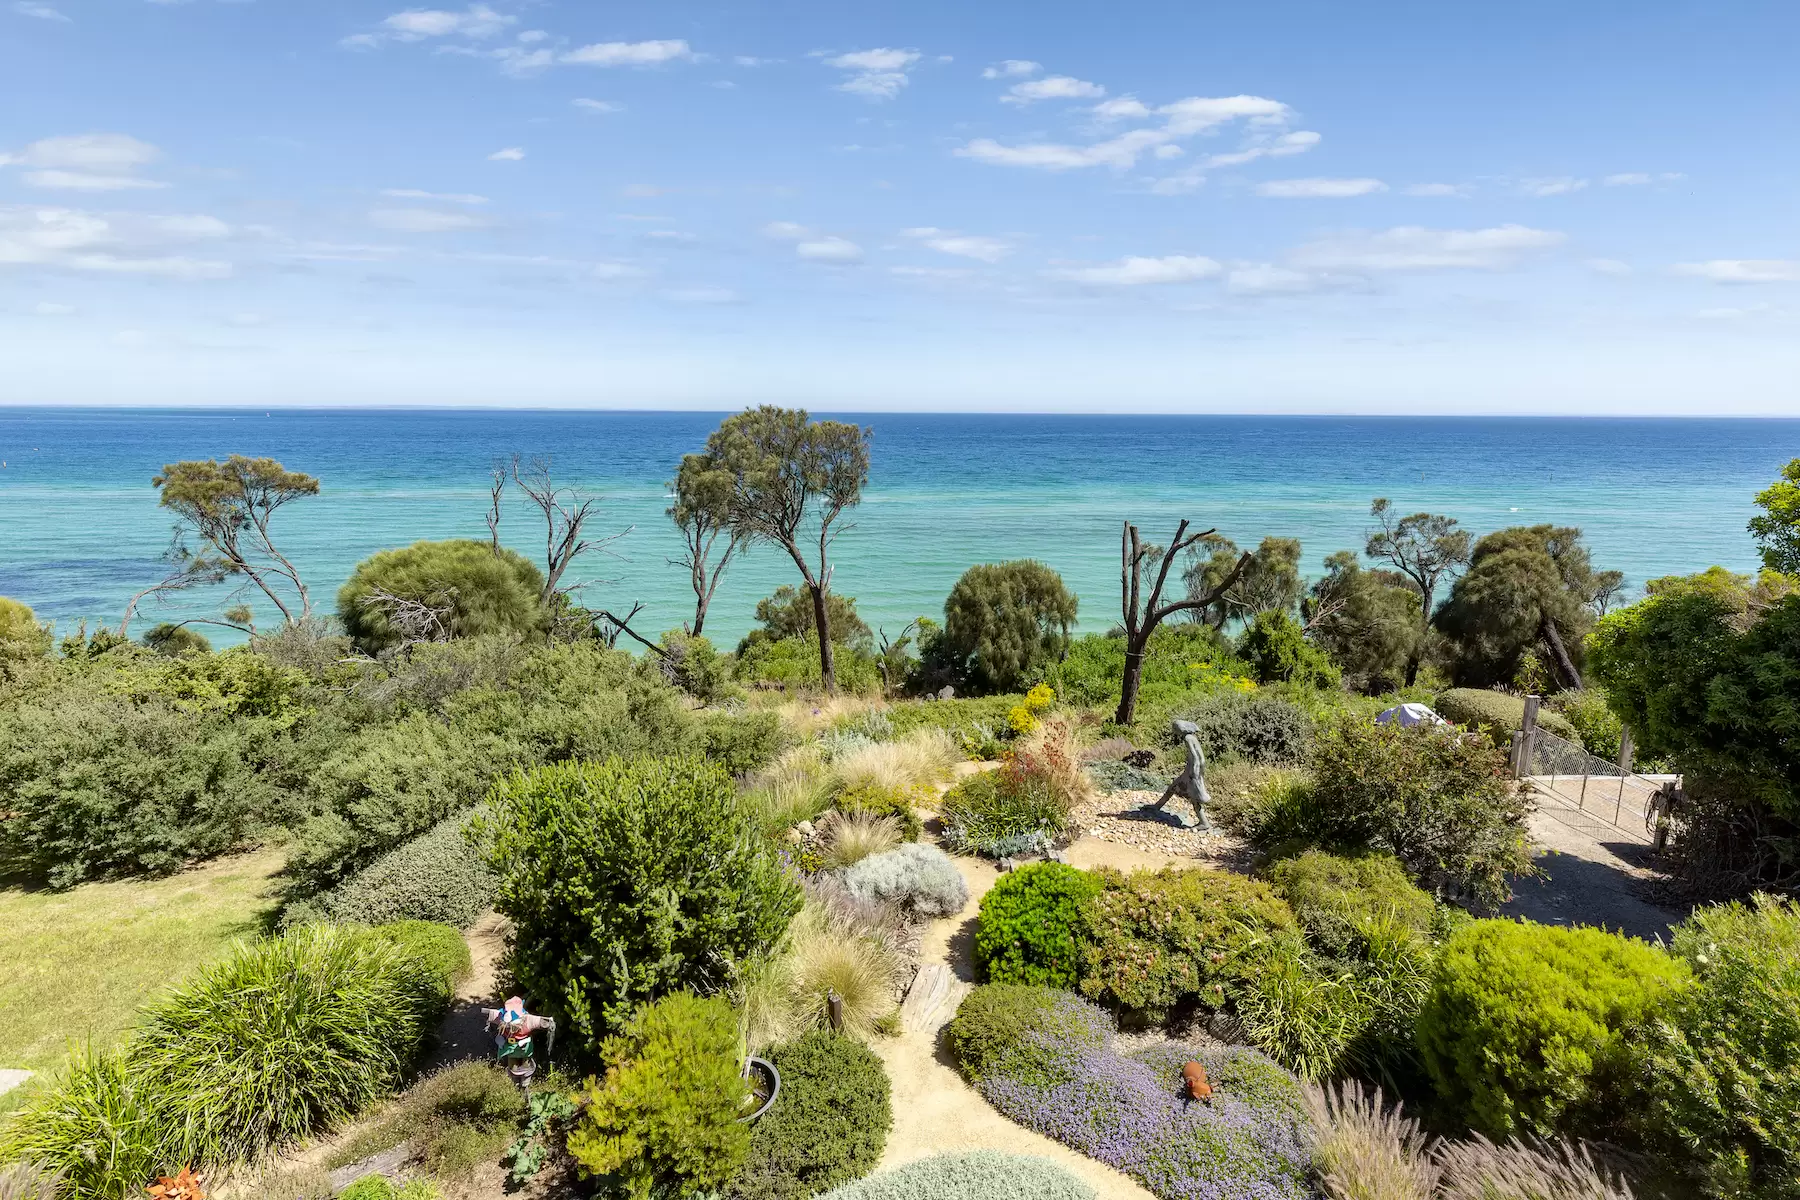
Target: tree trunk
827, 664
1559, 654
700, 600
1128, 689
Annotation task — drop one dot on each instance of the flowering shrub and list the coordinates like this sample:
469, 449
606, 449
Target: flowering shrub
1032, 925
1023, 719
1002, 812
1129, 1111
1163, 936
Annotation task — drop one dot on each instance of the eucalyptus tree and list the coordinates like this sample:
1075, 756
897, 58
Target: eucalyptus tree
701, 516
1427, 549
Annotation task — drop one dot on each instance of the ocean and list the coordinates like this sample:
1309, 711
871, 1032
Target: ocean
80, 529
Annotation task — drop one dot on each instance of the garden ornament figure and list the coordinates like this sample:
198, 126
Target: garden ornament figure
1191, 783
512, 1027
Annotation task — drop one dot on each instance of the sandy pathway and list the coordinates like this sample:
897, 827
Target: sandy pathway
935, 1110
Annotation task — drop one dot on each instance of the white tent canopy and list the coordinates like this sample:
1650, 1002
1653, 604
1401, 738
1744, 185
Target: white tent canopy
1409, 715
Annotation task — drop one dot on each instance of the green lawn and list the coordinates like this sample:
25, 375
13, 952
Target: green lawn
76, 965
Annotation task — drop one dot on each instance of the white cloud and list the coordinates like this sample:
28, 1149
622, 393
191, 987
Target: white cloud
829, 249
1136, 271
629, 54
510, 154
703, 294
1122, 108
1641, 178
672, 235
96, 243
614, 270
1415, 248
1052, 87
1011, 68
1608, 266
1300, 189
1561, 185
785, 231
195, 227
87, 162
597, 106
1437, 189
1183, 119
1269, 279
533, 36
46, 308
750, 60
42, 12
875, 74
423, 220
1744, 270
932, 273
438, 197
984, 249
418, 24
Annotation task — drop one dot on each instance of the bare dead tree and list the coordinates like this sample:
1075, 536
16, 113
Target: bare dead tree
428, 618
623, 625
1144, 613
566, 514
496, 493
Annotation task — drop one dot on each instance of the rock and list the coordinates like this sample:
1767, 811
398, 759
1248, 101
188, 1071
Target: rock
946, 692
805, 830
934, 993
388, 1163
10, 1079
1007, 865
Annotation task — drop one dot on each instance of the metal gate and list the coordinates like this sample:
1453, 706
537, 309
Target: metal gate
1589, 794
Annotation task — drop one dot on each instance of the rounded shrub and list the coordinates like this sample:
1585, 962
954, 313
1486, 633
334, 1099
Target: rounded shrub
175, 640
288, 1035
96, 1126
1524, 1030
1008, 1027
1497, 715
972, 1175
1033, 924
916, 876
864, 796
435, 877
1721, 1061
1002, 813
1277, 650
1339, 900
1246, 727
1005, 622
629, 879
469, 588
827, 1127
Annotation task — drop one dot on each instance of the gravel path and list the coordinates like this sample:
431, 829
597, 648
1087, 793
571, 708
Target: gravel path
1591, 882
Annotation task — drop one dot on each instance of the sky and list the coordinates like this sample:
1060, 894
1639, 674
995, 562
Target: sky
1534, 207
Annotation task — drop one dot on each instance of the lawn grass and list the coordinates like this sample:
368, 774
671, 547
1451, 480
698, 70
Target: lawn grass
76, 965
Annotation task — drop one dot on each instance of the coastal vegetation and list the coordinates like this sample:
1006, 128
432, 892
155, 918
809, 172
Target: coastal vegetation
250, 870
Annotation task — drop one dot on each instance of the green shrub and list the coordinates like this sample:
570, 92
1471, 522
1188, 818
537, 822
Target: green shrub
289, 1035
1597, 727
1445, 806
689, 662
869, 797
1525, 1029
1721, 1061
969, 1175
1161, 937
1002, 1025
1002, 813
977, 725
1033, 923
1276, 648
1244, 727
380, 1187
1004, 623
96, 1125
101, 785
626, 880
793, 662
742, 742
916, 877
1336, 900
1179, 658
1497, 715
827, 1127
437, 877
469, 589
175, 640
456, 1120
439, 947
666, 1113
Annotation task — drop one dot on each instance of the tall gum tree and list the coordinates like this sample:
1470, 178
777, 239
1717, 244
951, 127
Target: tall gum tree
1426, 548
781, 475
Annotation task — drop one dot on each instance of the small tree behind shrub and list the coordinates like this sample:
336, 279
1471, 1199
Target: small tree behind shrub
827, 1127
1005, 622
1276, 648
666, 1113
1721, 1062
436, 591
1525, 1030
626, 880
1033, 924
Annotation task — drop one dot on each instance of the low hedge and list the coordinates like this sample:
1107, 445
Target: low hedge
1498, 715
827, 1127
437, 877
975, 1175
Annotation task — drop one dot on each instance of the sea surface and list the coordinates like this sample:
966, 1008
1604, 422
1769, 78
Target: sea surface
80, 529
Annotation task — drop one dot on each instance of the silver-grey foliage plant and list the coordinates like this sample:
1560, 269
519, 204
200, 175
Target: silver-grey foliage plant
977, 1175
919, 876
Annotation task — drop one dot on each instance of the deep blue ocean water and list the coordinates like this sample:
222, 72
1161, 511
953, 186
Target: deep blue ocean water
80, 529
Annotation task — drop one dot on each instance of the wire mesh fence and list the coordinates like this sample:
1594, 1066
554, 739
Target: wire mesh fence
1589, 794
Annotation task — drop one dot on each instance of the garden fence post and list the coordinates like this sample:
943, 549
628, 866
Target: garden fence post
1626, 750
1528, 736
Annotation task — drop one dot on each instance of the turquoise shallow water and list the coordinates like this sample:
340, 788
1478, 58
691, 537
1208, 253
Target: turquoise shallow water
80, 530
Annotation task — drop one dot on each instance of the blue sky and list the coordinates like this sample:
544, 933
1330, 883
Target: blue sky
1533, 207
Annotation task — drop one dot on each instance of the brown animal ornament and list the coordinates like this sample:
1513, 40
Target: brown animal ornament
1194, 1076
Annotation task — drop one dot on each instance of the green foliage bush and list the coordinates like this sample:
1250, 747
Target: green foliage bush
1239, 727
1336, 900
1001, 813
870, 797
1498, 715
1033, 924
437, 876
478, 589
1162, 937
828, 1126
793, 662
456, 1120
95, 1125
380, 1187
626, 880
289, 1035
999, 1026
1276, 648
1179, 658
1720, 1061
1526, 1028
1445, 806
788, 614
175, 640
438, 947
970, 1175
741, 742
665, 1116
1597, 727
977, 725
1004, 623
689, 662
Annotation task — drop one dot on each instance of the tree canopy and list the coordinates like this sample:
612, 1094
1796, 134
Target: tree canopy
436, 591
227, 506
1005, 621
788, 613
1269, 581
1777, 529
1425, 549
1367, 622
